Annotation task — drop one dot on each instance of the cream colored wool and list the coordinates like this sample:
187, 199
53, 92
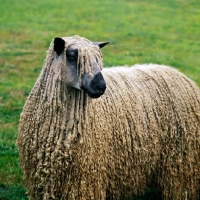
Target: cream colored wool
144, 131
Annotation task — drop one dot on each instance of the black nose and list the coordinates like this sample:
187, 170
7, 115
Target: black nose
94, 86
101, 87
98, 83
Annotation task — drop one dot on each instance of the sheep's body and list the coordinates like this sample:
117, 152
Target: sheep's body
144, 130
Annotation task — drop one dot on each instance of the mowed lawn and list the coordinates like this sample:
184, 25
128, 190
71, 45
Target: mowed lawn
163, 32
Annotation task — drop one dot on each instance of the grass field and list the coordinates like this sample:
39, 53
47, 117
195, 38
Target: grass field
164, 32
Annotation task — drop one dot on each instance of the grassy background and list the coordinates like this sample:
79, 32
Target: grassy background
164, 32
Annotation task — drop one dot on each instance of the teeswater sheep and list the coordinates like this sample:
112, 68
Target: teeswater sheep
87, 133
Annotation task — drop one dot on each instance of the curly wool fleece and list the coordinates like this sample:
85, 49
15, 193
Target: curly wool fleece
144, 130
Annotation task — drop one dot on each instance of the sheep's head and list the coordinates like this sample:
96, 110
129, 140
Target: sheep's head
83, 64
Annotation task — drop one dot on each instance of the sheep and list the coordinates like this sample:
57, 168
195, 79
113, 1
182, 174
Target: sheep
91, 133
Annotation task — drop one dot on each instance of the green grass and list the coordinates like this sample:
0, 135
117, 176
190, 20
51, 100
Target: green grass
12, 193
163, 32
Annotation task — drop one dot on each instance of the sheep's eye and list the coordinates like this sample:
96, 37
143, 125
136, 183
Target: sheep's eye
72, 55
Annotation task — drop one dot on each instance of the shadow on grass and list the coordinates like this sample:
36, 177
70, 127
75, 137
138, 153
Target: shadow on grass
12, 193
18, 193
150, 194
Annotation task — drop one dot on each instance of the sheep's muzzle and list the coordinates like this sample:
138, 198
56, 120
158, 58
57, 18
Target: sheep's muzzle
93, 86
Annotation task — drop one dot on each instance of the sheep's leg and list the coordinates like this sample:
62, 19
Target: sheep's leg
172, 189
88, 186
95, 190
176, 184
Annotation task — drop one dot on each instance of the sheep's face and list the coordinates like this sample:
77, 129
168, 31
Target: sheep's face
93, 84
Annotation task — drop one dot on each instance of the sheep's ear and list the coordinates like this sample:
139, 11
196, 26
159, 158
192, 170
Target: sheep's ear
59, 45
100, 44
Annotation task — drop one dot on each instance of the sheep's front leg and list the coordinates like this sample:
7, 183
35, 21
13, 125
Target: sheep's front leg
86, 186
93, 188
